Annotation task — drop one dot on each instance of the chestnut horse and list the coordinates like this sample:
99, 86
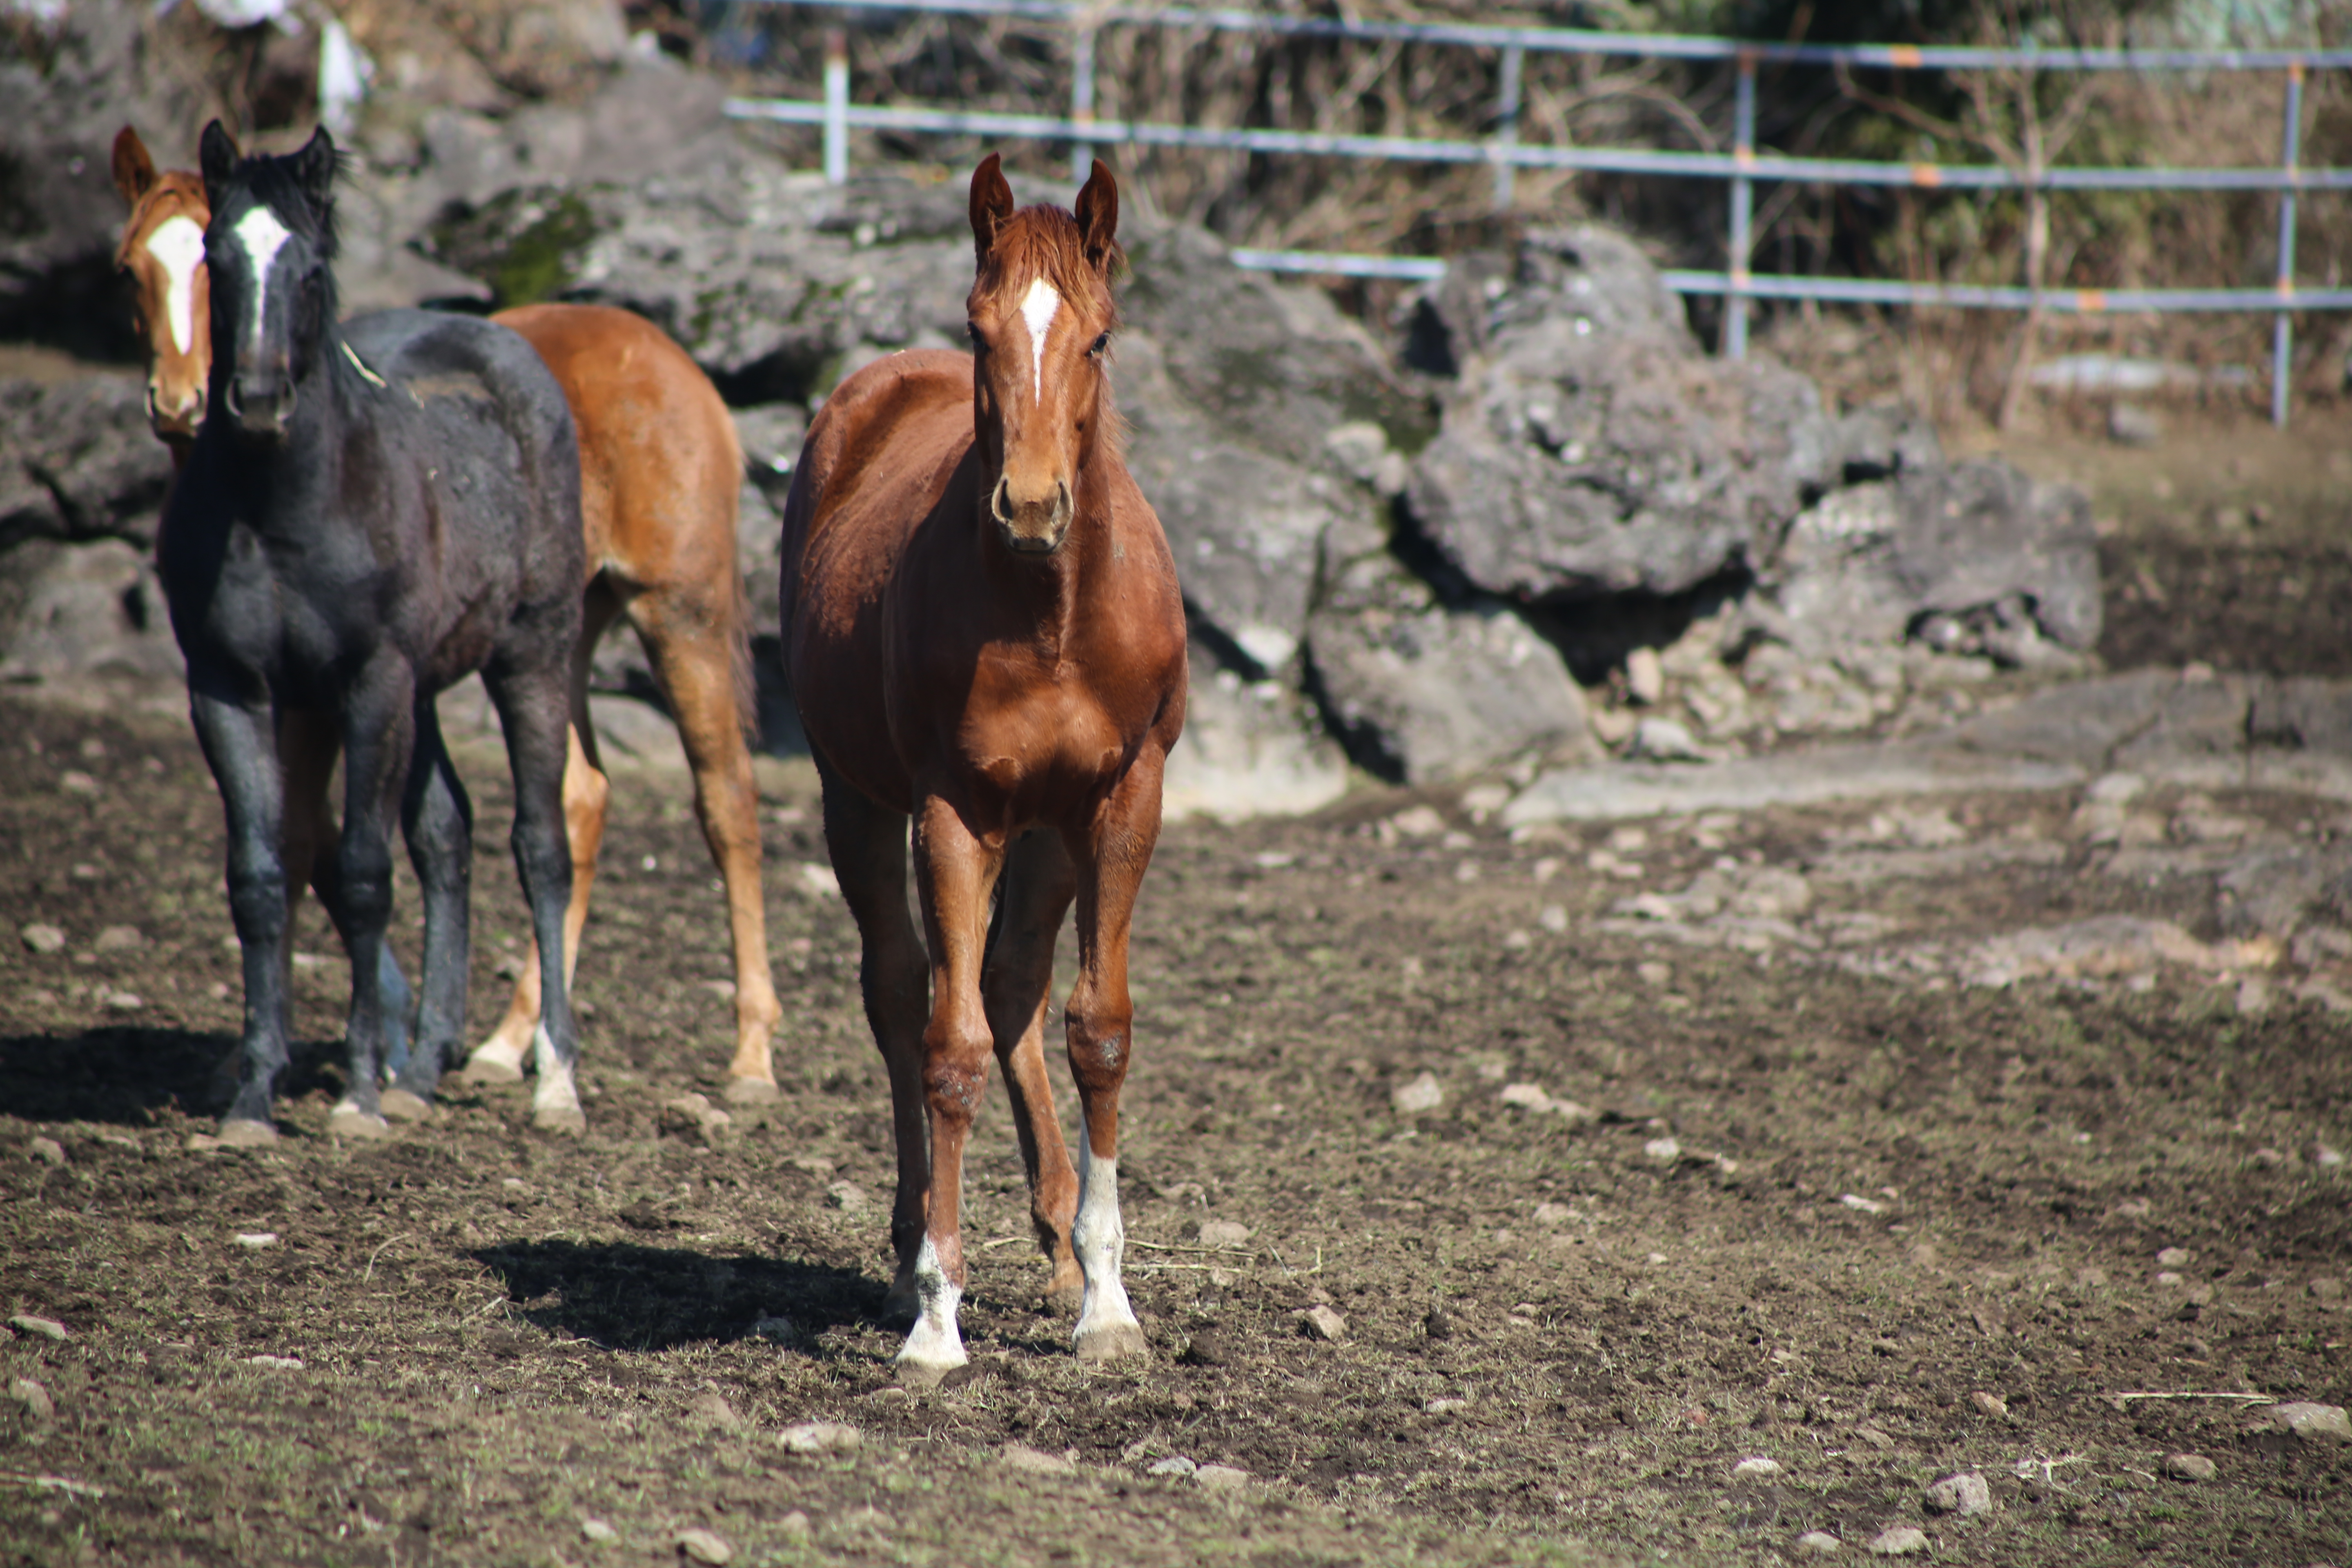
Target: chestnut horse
660, 476
985, 636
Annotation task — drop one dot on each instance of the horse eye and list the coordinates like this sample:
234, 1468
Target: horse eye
1102, 343
971, 331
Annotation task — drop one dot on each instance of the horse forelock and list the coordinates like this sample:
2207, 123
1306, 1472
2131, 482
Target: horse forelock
272, 182
1045, 242
175, 193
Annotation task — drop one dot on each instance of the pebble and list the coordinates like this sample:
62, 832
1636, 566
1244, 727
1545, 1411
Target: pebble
1419, 822
73, 780
2326, 1158
1755, 1470
1224, 1233
1553, 918
705, 1546
1037, 1462
1899, 1541
275, 1362
119, 939
2175, 1257
711, 1411
1174, 1465
1218, 1478
1870, 1436
1446, 1406
125, 1001
1992, 1405
1530, 1095
1866, 1205
1553, 1213
794, 1523
1323, 1323
2302, 1419
257, 1240
1645, 677
34, 1398
1964, 1494
846, 1197
1819, 1543
2191, 1468
42, 938
48, 1150
1663, 1149
1416, 1095
48, 1327
821, 1437
1663, 740
596, 1530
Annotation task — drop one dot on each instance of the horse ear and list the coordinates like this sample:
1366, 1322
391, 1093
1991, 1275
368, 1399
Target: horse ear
1098, 215
992, 204
134, 171
216, 156
314, 169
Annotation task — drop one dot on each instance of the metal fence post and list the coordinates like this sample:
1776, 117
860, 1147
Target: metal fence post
1506, 126
1743, 155
836, 106
2282, 332
1082, 101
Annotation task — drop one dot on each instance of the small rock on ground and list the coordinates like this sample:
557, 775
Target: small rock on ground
1218, 1477
1174, 1465
42, 938
1819, 1543
705, 1546
2191, 1468
1416, 1095
1963, 1494
34, 1398
1873, 1437
1756, 1468
1899, 1541
711, 1410
1992, 1405
2309, 1422
598, 1530
46, 1328
820, 1437
794, 1523
48, 1150
1037, 1462
1224, 1233
1323, 1323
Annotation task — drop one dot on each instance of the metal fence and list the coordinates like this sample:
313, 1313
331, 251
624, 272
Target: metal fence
1741, 168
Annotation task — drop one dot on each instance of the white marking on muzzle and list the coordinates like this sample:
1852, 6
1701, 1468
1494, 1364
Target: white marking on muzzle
1038, 307
178, 247
262, 236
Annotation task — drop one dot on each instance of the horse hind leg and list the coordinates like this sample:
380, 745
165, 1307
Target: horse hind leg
696, 659
867, 845
1036, 889
534, 710
587, 795
438, 822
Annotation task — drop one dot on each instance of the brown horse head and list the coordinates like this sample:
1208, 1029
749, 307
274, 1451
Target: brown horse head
1041, 316
163, 250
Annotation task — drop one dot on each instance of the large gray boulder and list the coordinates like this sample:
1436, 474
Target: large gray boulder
77, 460
71, 610
1249, 749
1590, 449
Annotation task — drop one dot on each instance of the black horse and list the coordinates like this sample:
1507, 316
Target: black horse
371, 512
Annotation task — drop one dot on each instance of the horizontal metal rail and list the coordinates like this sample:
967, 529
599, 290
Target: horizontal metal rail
1584, 160
1740, 168
1587, 41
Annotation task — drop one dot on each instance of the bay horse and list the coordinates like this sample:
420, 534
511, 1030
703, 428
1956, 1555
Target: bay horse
660, 477
984, 632
368, 512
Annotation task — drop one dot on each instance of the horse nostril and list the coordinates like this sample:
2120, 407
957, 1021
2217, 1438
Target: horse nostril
997, 501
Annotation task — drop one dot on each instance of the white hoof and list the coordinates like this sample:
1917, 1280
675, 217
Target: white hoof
555, 1107
751, 1091
1109, 1341
495, 1062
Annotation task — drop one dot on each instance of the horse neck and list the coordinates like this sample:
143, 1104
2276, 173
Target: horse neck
282, 480
1051, 595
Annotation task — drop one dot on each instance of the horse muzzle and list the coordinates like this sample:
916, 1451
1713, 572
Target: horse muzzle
175, 416
261, 405
1031, 526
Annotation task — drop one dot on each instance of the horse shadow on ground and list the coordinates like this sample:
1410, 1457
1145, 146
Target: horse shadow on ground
631, 1296
125, 1075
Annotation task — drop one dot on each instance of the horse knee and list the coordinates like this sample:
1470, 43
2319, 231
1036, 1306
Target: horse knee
256, 901
955, 1079
1100, 1043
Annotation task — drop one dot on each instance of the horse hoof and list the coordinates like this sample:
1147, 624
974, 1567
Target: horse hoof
400, 1105
350, 1122
1109, 1341
563, 1121
752, 1091
241, 1133
481, 1068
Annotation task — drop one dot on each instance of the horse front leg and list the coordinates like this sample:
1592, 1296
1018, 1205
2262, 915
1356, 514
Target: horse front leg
867, 845
240, 745
1112, 855
1038, 885
955, 871
379, 739
438, 822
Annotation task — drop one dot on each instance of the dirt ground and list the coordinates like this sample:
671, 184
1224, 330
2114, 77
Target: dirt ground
1877, 1231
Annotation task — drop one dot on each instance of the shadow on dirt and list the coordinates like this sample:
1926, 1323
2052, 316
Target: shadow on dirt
125, 1075
628, 1296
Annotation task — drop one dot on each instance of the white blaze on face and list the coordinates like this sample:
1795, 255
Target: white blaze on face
178, 247
262, 236
1037, 308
